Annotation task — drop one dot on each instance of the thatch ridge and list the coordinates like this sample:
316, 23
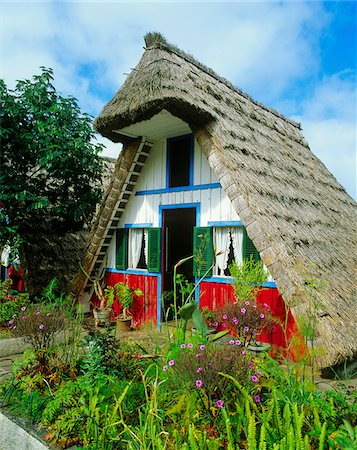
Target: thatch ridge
294, 210
157, 40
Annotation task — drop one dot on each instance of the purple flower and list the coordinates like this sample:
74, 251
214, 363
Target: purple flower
243, 310
183, 345
11, 322
257, 399
247, 303
171, 362
202, 347
262, 316
215, 324
189, 345
231, 342
41, 327
250, 365
198, 383
255, 331
23, 308
219, 403
238, 342
199, 370
254, 378
164, 368
235, 320
246, 328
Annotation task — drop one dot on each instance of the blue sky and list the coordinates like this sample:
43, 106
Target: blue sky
298, 57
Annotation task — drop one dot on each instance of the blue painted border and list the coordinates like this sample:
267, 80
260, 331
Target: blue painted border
195, 187
232, 223
138, 225
196, 205
178, 138
230, 280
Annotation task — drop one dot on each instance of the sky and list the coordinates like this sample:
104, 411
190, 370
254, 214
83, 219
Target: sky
298, 57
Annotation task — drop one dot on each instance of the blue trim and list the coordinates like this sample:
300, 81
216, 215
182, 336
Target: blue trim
138, 225
142, 272
230, 280
195, 187
234, 223
197, 291
181, 206
159, 297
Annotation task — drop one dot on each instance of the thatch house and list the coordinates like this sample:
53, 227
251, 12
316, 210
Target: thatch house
199, 154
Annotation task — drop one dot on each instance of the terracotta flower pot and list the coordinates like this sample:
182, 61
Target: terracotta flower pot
123, 324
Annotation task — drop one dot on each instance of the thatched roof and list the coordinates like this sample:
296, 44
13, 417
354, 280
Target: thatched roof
298, 216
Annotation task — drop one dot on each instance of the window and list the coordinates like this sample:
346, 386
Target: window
138, 248
180, 161
228, 243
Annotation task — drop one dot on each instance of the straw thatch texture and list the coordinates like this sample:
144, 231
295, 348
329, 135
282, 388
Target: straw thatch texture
295, 211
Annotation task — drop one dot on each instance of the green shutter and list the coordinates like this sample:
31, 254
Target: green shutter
121, 259
249, 248
154, 250
202, 251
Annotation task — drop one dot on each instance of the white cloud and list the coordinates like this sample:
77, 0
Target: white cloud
329, 123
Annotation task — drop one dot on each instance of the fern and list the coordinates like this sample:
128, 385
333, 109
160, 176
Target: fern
251, 439
230, 439
262, 438
322, 438
298, 424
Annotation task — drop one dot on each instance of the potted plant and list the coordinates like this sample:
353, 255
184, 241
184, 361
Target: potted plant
125, 296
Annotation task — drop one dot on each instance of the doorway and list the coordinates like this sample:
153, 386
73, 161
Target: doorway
178, 224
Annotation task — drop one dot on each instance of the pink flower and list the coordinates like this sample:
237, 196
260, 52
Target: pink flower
14, 327
171, 362
199, 370
11, 322
259, 373
48, 314
198, 355
215, 324
243, 310
41, 327
247, 303
38, 313
198, 383
23, 317
15, 315
202, 347
257, 399
244, 352
235, 320
231, 342
183, 345
250, 365
262, 316
164, 368
238, 342
246, 328
254, 306
23, 308
219, 403
225, 317
189, 345
254, 378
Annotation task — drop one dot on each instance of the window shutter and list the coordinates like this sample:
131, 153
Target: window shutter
154, 250
249, 248
121, 259
202, 251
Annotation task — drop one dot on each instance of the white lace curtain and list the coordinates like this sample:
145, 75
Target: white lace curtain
223, 236
135, 244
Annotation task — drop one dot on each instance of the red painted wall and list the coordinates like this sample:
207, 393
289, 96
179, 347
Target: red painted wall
214, 295
144, 308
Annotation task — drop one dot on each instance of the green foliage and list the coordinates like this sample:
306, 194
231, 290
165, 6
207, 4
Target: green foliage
125, 296
248, 278
50, 168
11, 301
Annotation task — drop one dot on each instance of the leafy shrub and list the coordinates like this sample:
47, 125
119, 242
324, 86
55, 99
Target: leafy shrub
11, 301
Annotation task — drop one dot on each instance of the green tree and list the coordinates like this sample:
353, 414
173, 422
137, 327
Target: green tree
51, 170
